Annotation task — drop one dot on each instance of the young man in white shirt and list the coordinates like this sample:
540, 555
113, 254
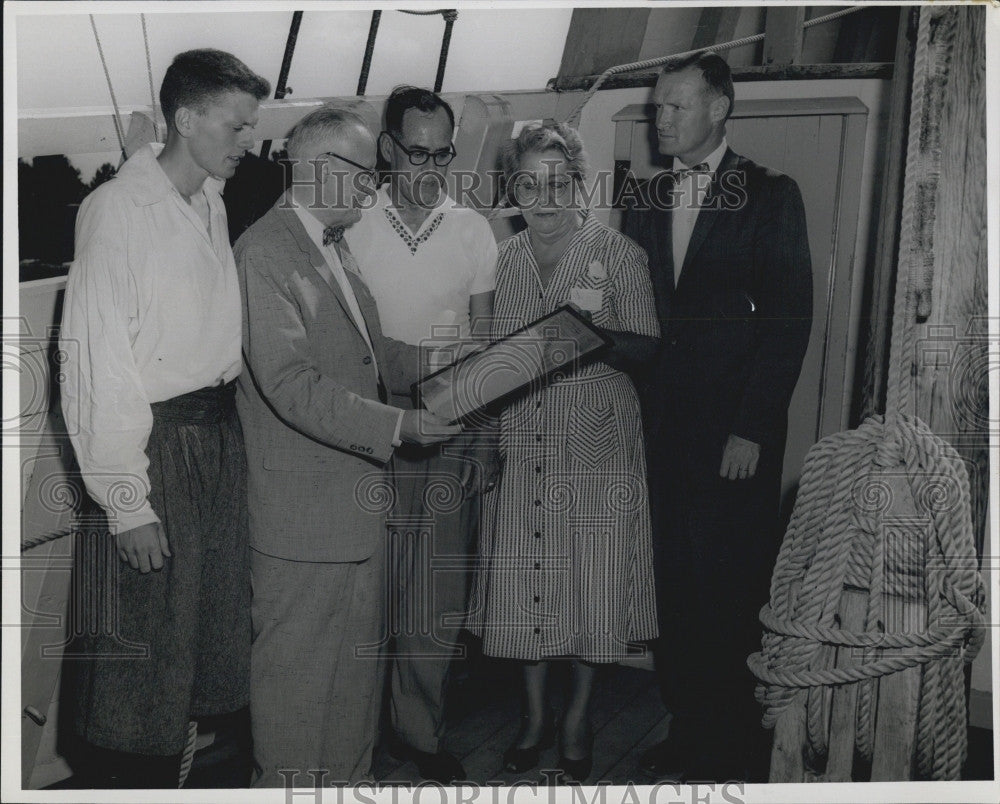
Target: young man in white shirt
431, 266
152, 328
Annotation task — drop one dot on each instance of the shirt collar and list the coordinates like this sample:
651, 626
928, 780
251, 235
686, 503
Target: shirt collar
314, 228
713, 159
148, 181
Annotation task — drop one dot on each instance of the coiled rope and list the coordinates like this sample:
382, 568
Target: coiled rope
837, 535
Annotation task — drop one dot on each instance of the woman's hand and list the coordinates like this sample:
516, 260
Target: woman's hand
629, 352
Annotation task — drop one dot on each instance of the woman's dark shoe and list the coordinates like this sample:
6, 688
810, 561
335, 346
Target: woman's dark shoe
577, 770
519, 760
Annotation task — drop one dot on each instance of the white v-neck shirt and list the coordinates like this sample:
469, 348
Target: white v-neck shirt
422, 280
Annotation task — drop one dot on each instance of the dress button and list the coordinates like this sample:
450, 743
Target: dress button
537, 598
366, 360
538, 502
538, 437
538, 469
537, 565
538, 535
538, 630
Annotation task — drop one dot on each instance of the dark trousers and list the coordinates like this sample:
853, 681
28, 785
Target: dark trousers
170, 646
715, 541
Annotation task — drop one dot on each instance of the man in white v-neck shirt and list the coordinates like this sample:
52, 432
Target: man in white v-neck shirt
431, 266
319, 431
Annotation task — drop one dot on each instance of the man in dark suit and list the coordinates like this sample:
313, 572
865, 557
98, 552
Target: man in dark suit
730, 264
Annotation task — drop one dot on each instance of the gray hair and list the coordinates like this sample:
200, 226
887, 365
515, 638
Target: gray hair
541, 138
318, 124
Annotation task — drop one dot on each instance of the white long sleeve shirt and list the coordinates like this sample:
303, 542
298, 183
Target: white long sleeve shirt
152, 311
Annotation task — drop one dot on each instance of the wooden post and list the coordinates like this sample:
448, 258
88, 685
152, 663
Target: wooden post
599, 38
716, 25
843, 714
783, 34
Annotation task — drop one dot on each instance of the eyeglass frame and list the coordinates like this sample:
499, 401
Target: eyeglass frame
370, 172
451, 153
529, 194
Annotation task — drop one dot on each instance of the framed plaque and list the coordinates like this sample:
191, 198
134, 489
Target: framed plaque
531, 356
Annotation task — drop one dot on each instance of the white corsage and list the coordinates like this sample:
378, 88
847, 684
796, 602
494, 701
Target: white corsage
596, 270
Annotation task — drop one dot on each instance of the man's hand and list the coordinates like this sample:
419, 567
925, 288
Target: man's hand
739, 459
423, 427
144, 547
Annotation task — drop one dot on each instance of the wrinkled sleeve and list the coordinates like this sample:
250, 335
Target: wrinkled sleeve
633, 289
276, 350
484, 250
104, 402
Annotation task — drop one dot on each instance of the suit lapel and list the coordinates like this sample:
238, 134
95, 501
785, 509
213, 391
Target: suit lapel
365, 300
318, 261
709, 213
658, 241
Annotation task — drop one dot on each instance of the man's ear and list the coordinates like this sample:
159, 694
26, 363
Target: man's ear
719, 108
385, 147
184, 120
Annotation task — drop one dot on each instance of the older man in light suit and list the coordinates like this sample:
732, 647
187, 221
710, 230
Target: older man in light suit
312, 401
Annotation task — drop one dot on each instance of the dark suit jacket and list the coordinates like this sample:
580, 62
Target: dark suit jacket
316, 433
735, 328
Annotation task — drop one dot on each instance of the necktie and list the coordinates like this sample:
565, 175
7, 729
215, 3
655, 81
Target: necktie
332, 234
683, 173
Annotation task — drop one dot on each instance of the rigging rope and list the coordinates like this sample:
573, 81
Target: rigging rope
149, 75
449, 15
891, 474
366, 62
187, 756
119, 130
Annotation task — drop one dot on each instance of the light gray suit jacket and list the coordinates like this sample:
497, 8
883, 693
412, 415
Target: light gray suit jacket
316, 434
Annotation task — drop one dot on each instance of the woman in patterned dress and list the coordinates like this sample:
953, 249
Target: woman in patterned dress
567, 565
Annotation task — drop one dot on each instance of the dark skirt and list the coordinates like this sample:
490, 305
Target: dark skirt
160, 649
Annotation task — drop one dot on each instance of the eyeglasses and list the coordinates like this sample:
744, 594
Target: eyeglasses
526, 189
419, 156
366, 175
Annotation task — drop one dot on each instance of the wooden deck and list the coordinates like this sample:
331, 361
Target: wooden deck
483, 719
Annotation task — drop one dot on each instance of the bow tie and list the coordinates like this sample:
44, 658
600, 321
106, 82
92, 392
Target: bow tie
332, 234
683, 173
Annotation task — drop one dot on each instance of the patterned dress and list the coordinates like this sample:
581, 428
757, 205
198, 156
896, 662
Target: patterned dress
566, 563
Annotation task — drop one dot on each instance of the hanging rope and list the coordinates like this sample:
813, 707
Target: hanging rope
149, 75
119, 130
847, 495
449, 15
449, 22
187, 756
366, 62
574, 118
281, 89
